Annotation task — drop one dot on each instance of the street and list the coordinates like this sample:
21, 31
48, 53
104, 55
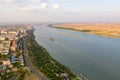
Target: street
29, 64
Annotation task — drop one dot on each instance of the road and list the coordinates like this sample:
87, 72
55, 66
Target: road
29, 64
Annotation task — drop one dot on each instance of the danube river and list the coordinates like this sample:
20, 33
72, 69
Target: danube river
96, 57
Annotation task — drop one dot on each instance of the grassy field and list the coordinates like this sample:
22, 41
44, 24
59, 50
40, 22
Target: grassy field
104, 29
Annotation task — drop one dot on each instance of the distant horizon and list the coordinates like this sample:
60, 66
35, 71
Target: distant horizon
56, 22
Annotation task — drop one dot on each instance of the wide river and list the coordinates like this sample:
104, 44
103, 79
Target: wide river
96, 57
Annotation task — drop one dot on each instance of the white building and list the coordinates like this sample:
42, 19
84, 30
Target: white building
6, 62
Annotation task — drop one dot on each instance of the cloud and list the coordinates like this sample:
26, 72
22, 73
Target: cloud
55, 6
50, 0
6, 1
28, 8
43, 6
32, 5
35, 0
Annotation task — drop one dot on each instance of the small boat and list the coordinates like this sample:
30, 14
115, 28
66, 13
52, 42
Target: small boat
51, 39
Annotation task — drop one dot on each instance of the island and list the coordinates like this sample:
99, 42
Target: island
103, 29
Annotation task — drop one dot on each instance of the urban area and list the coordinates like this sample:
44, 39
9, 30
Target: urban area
12, 60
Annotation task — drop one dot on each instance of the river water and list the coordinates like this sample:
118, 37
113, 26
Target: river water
96, 57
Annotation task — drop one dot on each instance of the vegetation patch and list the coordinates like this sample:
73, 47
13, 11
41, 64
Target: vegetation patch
41, 59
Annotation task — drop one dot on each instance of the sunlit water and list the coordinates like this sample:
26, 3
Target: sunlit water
96, 57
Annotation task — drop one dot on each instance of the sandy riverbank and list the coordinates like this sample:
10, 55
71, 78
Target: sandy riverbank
104, 29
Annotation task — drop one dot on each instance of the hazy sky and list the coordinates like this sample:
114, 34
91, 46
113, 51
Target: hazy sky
59, 10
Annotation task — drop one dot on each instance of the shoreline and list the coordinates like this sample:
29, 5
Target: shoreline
57, 70
93, 32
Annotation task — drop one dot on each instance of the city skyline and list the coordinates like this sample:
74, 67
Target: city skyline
59, 11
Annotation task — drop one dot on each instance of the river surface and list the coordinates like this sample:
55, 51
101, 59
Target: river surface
96, 57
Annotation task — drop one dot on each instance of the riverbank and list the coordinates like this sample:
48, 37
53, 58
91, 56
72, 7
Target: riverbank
87, 55
43, 62
109, 30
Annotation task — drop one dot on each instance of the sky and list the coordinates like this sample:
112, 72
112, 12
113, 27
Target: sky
59, 10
